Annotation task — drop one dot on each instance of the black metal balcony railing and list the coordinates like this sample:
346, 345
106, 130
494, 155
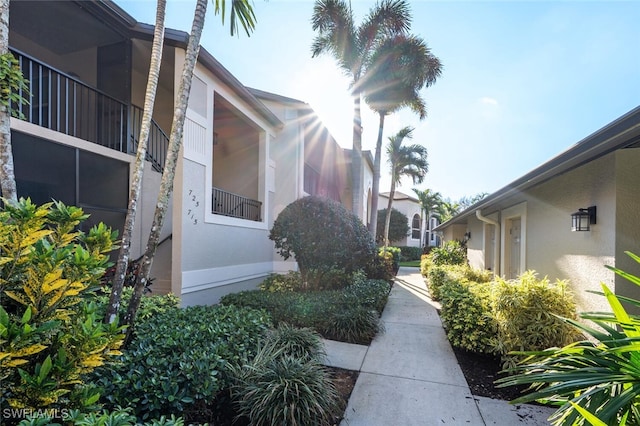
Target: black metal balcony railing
228, 204
60, 102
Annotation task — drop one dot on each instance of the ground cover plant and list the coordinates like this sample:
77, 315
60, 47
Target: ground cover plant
351, 314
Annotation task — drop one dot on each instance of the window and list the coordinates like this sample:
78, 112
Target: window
415, 227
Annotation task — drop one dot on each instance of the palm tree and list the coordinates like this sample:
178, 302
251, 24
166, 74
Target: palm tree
400, 67
447, 209
352, 47
410, 161
242, 12
429, 201
138, 171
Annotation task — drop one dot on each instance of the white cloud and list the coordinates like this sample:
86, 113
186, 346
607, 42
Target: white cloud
486, 100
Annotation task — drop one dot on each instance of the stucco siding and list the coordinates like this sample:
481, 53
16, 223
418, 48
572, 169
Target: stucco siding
554, 250
627, 218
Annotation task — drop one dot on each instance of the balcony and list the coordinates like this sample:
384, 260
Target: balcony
62, 103
233, 205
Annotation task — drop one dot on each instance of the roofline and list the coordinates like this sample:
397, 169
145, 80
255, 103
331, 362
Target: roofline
405, 196
620, 133
178, 38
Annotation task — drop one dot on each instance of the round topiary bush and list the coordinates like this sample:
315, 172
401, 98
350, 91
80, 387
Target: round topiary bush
322, 235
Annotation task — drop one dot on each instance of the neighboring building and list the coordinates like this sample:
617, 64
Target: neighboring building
527, 225
410, 207
246, 153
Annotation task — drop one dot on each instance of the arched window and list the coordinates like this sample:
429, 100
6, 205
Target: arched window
415, 227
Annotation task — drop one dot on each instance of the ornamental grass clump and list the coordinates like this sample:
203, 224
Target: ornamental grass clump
285, 384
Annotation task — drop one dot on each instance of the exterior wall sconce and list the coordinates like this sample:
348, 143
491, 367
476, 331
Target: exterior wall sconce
583, 218
467, 236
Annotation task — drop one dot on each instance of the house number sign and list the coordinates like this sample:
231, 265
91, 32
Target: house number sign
192, 204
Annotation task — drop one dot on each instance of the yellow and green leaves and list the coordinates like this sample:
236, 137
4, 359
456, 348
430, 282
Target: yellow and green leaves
50, 334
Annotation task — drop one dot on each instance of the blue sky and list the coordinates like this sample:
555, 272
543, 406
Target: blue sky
522, 81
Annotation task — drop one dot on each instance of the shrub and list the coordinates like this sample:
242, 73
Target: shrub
150, 305
425, 264
322, 235
451, 253
527, 310
275, 388
180, 357
381, 267
466, 314
396, 255
436, 279
592, 381
410, 253
117, 417
50, 333
327, 312
370, 293
398, 226
291, 281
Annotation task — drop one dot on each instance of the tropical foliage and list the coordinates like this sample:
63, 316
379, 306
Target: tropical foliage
353, 46
404, 161
50, 333
593, 381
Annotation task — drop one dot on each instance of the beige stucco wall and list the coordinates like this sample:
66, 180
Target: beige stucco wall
627, 218
554, 250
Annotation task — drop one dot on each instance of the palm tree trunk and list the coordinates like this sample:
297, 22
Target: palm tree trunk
375, 186
138, 171
7, 176
175, 141
387, 219
356, 158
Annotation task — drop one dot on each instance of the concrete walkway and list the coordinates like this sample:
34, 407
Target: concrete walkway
410, 376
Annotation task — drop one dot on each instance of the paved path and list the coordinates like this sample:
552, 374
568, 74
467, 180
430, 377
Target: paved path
410, 376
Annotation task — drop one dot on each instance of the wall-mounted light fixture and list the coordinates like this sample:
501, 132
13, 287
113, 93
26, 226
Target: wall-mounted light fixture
583, 218
467, 235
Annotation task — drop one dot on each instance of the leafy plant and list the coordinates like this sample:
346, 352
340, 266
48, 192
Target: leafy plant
353, 324
370, 293
276, 388
528, 314
398, 225
451, 253
592, 381
14, 88
180, 358
50, 335
150, 305
410, 253
117, 417
322, 236
290, 281
467, 316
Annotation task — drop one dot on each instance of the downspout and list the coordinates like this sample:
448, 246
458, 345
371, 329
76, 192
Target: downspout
496, 245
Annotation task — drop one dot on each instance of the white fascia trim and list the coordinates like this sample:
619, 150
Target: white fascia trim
202, 279
219, 219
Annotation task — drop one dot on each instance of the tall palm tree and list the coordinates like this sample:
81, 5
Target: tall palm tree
400, 67
352, 46
241, 12
447, 209
429, 201
405, 161
138, 171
